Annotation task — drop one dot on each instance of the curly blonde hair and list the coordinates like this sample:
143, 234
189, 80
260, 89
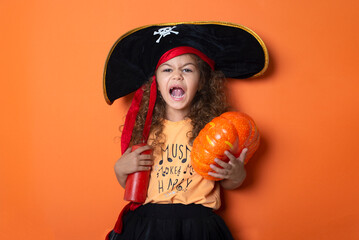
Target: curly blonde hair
209, 102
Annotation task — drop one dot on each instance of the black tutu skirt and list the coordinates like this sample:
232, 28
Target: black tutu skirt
172, 222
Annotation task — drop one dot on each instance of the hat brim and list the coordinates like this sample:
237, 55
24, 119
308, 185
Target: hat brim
237, 51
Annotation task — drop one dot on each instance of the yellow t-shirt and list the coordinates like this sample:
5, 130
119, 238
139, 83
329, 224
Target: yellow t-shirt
173, 179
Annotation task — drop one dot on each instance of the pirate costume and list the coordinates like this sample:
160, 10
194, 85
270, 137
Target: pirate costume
184, 209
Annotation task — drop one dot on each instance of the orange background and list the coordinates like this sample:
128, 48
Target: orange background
59, 139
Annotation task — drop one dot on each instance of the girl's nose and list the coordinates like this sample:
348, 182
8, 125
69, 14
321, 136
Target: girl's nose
177, 75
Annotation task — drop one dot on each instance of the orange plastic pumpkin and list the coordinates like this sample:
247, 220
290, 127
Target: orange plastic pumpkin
231, 131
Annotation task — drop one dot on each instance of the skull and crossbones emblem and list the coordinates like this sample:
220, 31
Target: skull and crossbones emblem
163, 32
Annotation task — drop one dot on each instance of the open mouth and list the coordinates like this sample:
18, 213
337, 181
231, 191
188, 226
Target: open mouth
177, 93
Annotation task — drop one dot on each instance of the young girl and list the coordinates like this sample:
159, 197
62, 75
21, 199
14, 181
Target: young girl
186, 65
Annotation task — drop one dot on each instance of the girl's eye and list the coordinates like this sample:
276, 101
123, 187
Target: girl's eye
166, 70
187, 70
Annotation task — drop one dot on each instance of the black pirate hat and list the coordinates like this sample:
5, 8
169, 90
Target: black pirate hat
236, 50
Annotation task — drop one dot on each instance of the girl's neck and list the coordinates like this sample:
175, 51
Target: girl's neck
175, 116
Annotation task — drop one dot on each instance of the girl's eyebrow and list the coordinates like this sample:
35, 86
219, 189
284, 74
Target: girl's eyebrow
165, 64
189, 64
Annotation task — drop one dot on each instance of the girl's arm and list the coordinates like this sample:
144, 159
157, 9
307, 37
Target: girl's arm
131, 162
233, 173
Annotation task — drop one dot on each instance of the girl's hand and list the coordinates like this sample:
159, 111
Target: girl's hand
233, 173
131, 162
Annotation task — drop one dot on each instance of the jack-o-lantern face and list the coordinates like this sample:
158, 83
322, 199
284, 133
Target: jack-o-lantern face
232, 131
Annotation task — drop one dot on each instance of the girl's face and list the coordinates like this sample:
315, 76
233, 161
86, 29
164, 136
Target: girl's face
178, 81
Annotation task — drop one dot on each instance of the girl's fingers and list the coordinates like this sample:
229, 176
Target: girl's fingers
222, 164
143, 168
145, 157
219, 170
217, 175
128, 150
142, 149
233, 160
146, 163
230, 155
243, 155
